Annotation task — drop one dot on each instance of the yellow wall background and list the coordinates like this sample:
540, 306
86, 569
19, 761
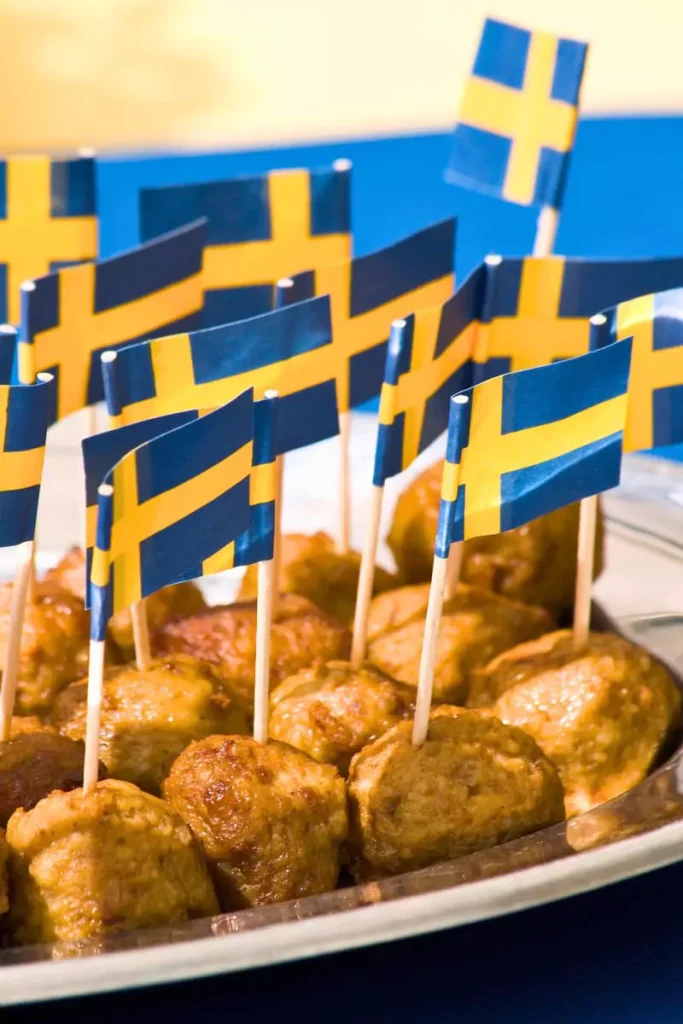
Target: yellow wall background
220, 73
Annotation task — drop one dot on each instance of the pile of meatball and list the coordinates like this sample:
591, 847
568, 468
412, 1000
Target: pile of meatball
192, 816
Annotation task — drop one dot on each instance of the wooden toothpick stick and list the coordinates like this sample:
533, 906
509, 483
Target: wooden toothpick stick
366, 579
10, 669
588, 518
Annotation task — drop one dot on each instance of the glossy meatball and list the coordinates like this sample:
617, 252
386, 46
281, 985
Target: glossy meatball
225, 637
535, 563
25, 725
474, 783
170, 603
476, 625
269, 819
311, 566
149, 717
333, 710
114, 860
4, 893
54, 645
601, 715
33, 765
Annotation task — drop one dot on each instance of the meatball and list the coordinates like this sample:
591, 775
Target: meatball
535, 563
269, 818
113, 860
333, 710
4, 895
311, 566
149, 717
601, 715
474, 783
476, 625
54, 645
225, 637
33, 765
25, 725
170, 603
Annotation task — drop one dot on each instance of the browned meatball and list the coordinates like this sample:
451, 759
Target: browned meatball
225, 637
4, 893
476, 625
474, 783
333, 710
311, 566
54, 645
114, 860
601, 715
269, 819
25, 725
535, 563
32, 765
149, 717
170, 603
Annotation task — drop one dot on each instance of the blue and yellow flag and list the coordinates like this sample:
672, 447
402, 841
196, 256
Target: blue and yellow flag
101, 452
8, 353
536, 310
654, 323
526, 443
172, 509
259, 229
289, 350
47, 220
518, 115
24, 418
70, 317
368, 293
429, 358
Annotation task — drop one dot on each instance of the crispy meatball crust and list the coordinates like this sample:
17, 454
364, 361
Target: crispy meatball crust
476, 625
225, 637
474, 783
269, 818
311, 566
33, 765
535, 563
601, 715
111, 861
54, 645
4, 894
172, 602
333, 710
149, 717
25, 725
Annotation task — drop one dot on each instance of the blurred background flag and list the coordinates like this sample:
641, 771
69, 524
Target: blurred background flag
172, 509
47, 220
70, 317
289, 349
526, 443
655, 393
429, 358
24, 417
518, 115
536, 310
369, 292
259, 229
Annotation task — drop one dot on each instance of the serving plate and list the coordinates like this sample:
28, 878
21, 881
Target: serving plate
641, 591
